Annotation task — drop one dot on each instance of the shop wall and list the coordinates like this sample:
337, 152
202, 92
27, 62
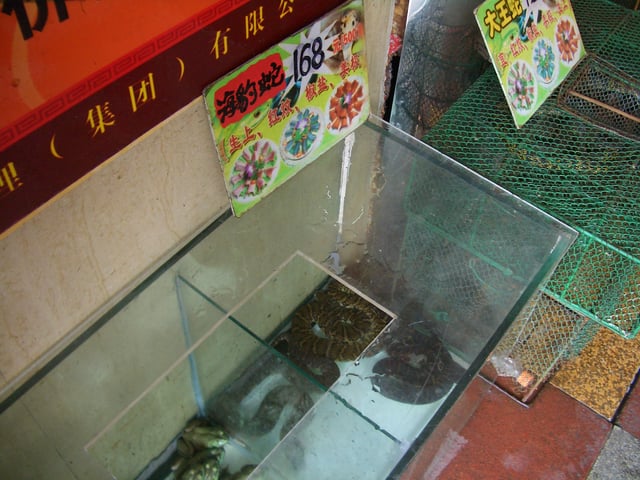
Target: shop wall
69, 263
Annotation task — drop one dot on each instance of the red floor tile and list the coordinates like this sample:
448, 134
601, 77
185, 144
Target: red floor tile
629, 418
555, 438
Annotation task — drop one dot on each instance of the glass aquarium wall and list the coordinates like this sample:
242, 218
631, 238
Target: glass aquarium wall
340, 319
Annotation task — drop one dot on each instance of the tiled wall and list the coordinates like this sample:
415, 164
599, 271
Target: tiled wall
64, 266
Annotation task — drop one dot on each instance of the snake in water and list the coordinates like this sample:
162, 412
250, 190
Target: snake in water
418, 369
337, 323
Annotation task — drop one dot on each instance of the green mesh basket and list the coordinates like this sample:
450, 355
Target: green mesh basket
542, 337
455, 280
440, 265
569, 162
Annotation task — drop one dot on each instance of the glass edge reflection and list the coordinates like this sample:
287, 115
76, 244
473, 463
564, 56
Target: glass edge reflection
15, 390
536, 282
421, 148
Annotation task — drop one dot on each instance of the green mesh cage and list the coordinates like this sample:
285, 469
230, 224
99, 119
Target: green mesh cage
573, 162
466, 256
443, 266
602, 94
543, 335
455, 280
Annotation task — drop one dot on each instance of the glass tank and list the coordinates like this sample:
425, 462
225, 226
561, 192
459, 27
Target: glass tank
323, 334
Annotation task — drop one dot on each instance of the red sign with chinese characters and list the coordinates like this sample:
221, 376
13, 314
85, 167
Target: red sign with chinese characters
81, 80
259, 83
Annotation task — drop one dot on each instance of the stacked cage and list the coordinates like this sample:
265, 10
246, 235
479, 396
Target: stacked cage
577, 158
458, 253
544, 334
440, 60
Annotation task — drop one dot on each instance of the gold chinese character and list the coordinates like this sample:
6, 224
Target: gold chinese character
254, 23
285, 7
504, 14
220, 38
490, 20
100, 117
515, 7
9, 177
142, 92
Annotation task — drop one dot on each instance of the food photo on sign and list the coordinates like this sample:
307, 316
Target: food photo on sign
277, 113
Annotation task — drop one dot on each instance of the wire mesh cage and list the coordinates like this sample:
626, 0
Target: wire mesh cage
571, 167
434, 260
439, 61
455, 281
545, 334
601, 282
602, 94
465, 256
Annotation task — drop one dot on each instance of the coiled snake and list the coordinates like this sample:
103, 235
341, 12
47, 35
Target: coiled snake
335, 325
418, 369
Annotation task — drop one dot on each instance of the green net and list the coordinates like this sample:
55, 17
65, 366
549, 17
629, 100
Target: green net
573, 162
544, 335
